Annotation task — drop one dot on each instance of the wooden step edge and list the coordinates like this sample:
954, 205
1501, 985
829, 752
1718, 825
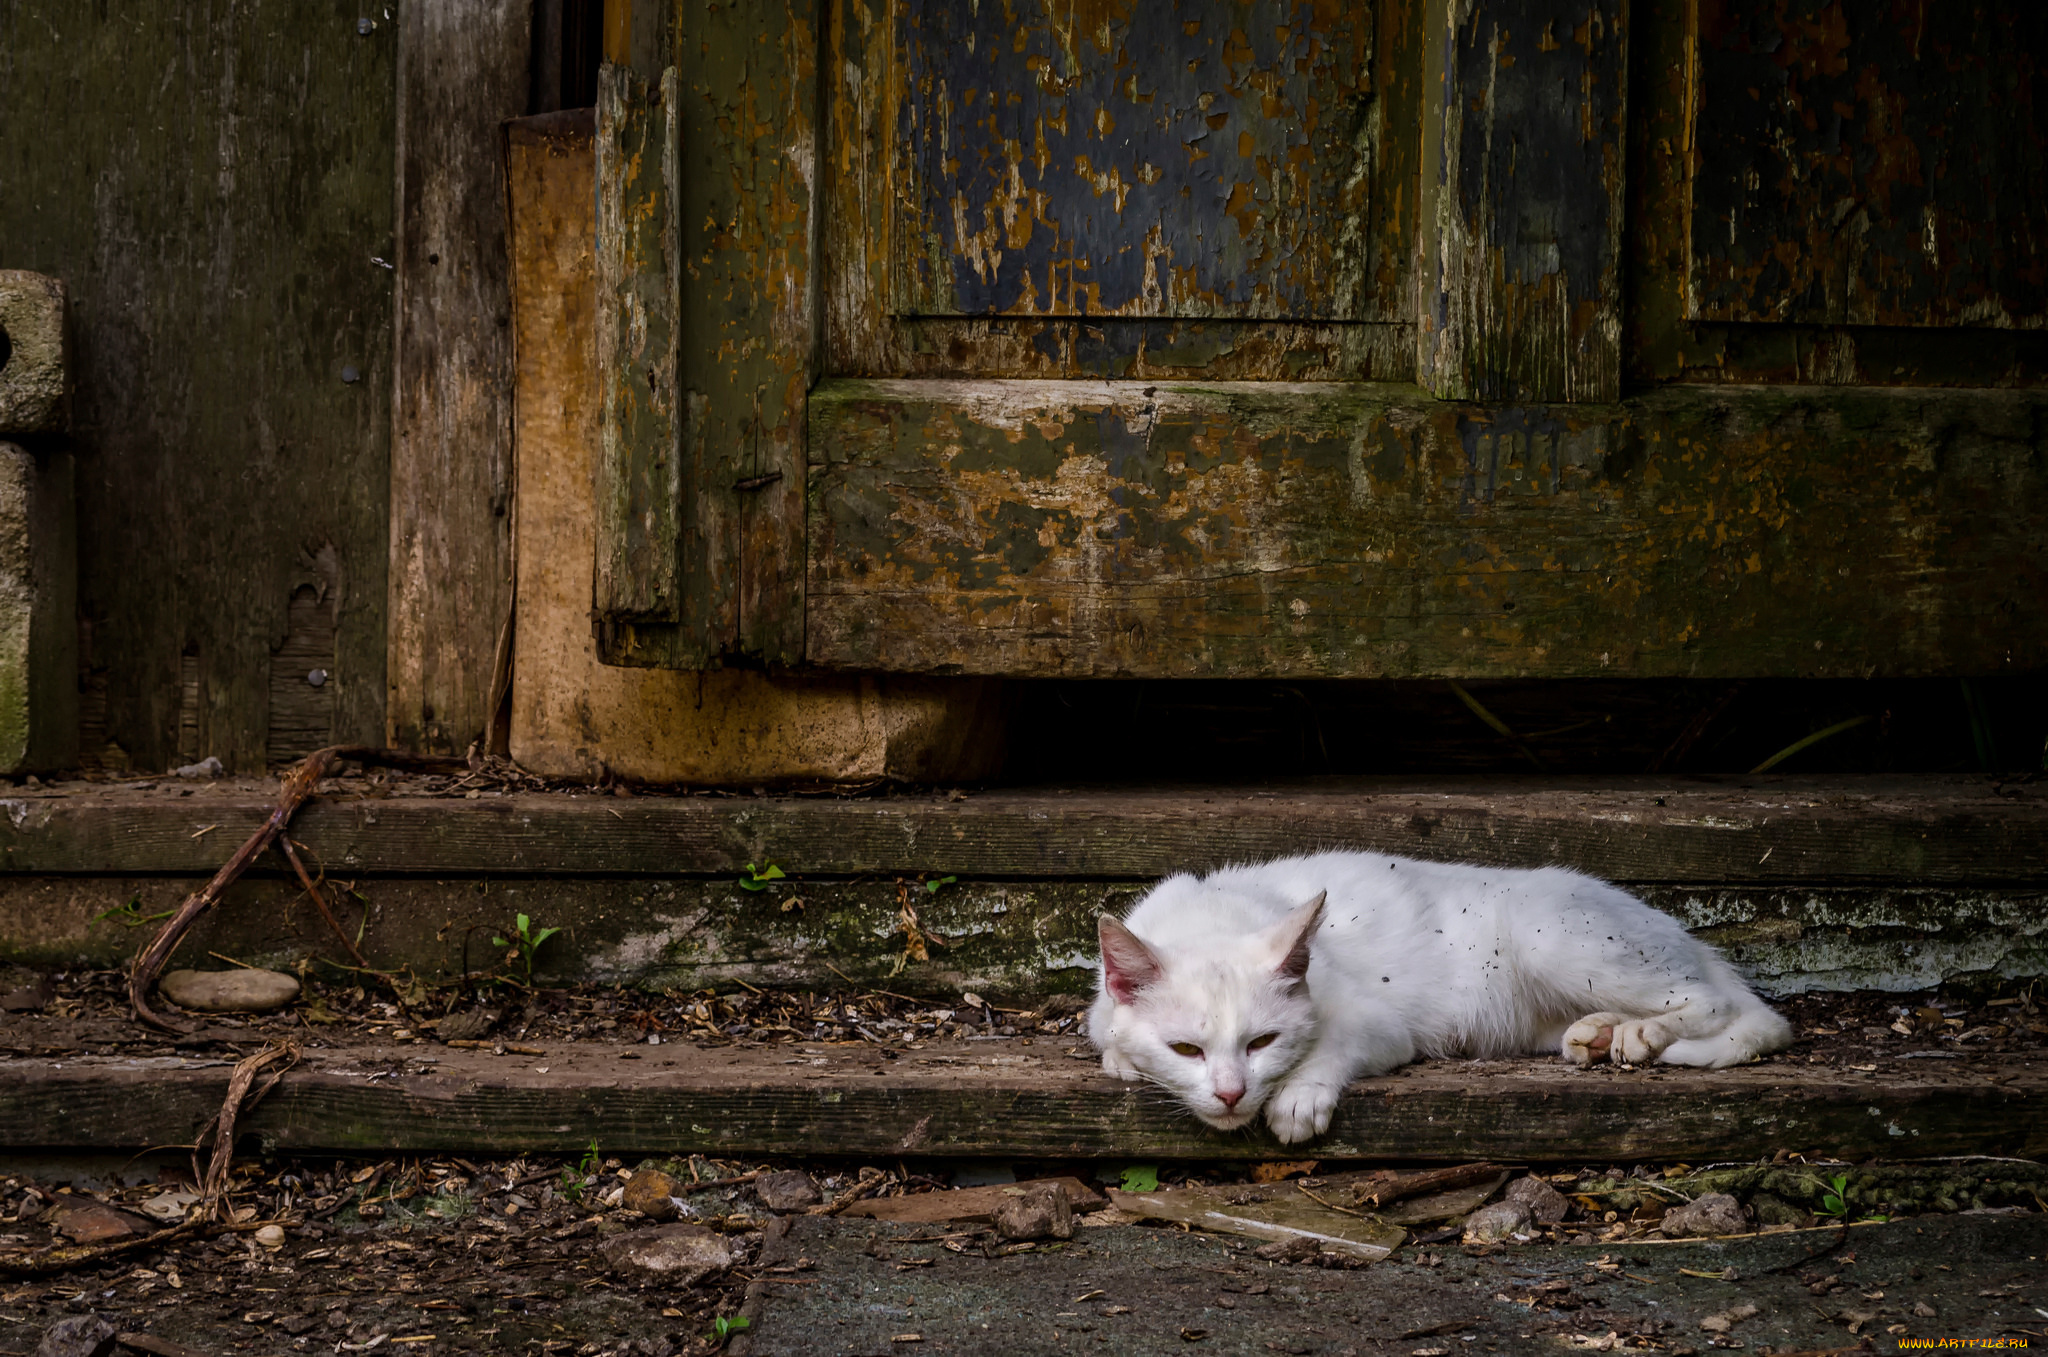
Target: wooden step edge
1003, 1100
1668, 830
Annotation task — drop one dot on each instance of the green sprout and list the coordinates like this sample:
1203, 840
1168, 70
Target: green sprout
757, 878
937, 883
524, 945
723, 1328
1141, 1178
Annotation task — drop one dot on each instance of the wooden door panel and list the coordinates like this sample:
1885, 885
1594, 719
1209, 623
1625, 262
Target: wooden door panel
1870, 162
1137, 158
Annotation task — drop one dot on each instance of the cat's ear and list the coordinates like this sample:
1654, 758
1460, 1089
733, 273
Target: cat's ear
1296, 932
1128, 965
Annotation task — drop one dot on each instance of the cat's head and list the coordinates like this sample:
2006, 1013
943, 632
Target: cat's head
1219, 1024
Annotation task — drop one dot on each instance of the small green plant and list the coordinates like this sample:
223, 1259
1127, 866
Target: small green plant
524, 944
938, 883
1141, 1178
130, 915
1834, 1202
572, 1178
1834, 1197
723, 1328
757, 878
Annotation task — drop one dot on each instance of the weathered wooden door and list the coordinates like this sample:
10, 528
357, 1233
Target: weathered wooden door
1324, 337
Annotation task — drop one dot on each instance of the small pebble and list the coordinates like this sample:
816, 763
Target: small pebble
239, 991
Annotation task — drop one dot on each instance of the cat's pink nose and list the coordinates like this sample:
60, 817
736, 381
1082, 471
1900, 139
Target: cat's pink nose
1229, 1099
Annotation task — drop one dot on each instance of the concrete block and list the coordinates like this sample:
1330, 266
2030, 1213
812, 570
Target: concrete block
38, 611
34, 378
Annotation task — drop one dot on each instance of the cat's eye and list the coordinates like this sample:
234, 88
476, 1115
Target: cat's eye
1261, 1043
1186, 1048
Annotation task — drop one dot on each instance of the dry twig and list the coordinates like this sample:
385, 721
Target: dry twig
293, 791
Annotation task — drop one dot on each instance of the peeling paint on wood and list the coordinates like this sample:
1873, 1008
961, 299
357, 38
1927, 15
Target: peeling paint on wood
639, 482
746, 94
1522, 200
1264, 529
1664, 343
891, 305
1870, 164
1135, 157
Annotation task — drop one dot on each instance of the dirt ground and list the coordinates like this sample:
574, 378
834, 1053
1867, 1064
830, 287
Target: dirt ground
450, 1256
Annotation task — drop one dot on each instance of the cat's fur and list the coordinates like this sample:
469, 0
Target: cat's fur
1349, 964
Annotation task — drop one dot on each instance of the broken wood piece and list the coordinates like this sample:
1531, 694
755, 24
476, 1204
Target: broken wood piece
1429, 1180
1279, 1219
969, 1203
215, 1180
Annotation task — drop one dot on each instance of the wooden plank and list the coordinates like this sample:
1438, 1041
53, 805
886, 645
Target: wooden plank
746, 118
1153, 158
1869, 165
1664, 344
213, 183
639, 476
572, 716
863, 184
1002, 1099
463, 69
1016, 941
1227, 530
1522, 199
1693, 830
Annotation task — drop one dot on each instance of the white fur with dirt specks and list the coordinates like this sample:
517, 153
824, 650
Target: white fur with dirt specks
1273, 986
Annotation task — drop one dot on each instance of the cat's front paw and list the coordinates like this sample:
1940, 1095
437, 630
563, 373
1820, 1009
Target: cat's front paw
1591, 1038
1302, 1110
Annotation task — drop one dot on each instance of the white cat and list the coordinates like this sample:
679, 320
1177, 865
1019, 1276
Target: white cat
1277, 984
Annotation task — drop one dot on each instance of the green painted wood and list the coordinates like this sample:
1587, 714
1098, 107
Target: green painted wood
1003, 1099
1522, 199
745, 110
1724, 831
1088, 529
213, 183
639, 465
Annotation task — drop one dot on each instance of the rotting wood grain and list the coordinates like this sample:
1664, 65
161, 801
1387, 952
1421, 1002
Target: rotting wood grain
639, 477
1523, 160
983, 1099
870, 186
463, 69
213, 183
1228, 530
1708, 831
746, 78
1134, 158
1662, 344
1869, 164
